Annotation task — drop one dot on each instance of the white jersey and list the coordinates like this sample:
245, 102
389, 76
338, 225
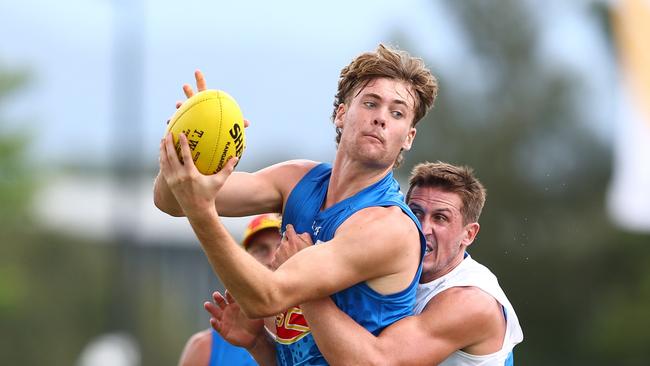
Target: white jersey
471, 273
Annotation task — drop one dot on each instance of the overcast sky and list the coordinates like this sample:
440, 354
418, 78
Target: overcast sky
280, 60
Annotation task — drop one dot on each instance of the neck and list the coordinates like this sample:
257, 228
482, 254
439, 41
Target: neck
349, 177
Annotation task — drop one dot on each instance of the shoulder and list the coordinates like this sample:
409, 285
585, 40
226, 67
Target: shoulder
474, 301
385, 229
469, 314
285, 175
391, 220
197, 349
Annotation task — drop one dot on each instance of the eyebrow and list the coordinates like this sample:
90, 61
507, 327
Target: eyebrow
438, 210
377, 96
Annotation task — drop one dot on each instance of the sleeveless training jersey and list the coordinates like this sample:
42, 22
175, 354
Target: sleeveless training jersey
374, 311
471, 273
224, 353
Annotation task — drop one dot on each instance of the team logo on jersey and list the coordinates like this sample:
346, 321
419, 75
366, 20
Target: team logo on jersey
315, 228
291, 326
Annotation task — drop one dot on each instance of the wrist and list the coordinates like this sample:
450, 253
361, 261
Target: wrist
205, 214
261, 342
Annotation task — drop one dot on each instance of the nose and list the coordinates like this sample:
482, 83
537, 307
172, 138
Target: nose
379, 120
427, 228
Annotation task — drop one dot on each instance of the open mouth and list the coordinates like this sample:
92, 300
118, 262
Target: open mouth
429, 248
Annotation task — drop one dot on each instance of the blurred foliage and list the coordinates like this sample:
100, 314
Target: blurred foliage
16, 185
59, 292
581, 287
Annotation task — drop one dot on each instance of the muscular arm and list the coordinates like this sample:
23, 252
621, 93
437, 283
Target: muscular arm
459, 318
373, 243
243, 193
380, 244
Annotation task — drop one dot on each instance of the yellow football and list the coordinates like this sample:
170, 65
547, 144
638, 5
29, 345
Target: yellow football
214, 126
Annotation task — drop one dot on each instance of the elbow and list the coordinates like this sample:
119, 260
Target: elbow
165, 207
263, 306
259, 310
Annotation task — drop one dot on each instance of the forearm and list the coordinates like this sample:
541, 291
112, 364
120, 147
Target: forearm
328, 323
164, 199
263, 351
251, 283
424, 339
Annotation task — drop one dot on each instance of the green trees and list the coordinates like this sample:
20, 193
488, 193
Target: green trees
578, 284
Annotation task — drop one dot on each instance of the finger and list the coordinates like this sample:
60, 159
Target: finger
170, 153
200, 80
178, 104
291, 233
305, 238
212, 309
219, 300
229, 298
247, 123
188, 162
215, 325
187, 89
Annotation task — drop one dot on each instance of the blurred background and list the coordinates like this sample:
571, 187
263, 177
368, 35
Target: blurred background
549, 101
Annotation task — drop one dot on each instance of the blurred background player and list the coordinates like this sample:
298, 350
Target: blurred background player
207, 347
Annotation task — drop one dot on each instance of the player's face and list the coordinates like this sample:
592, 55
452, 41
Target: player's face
442, 224
376, 123
263, 246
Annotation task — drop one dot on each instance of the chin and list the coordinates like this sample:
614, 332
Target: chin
428, 262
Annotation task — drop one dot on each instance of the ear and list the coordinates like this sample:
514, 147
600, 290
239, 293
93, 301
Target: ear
408, 142
340, 114
471, 230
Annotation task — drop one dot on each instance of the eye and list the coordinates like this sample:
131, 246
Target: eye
440, 217
418, 213
397, 114
370, 104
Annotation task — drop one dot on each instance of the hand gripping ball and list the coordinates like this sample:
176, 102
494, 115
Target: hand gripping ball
214, 126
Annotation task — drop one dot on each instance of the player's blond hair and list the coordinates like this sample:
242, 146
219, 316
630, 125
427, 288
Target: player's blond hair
385, 62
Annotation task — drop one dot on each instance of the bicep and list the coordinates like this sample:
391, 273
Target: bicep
263, 191
418, 339
451, 320
362, 249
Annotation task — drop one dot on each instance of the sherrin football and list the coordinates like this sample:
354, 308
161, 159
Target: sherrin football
214, 126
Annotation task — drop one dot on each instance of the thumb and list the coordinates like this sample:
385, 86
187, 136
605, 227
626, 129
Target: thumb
230, 166
221, 176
